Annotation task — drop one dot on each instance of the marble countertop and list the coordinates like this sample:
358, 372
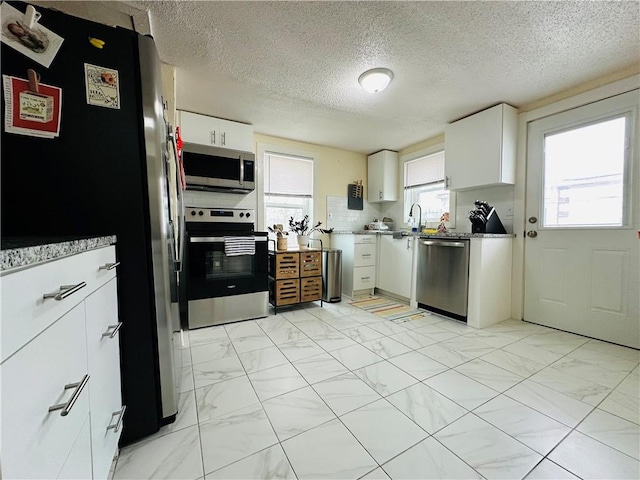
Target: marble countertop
427, 235
19, 252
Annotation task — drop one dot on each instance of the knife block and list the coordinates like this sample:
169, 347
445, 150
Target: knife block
493, 225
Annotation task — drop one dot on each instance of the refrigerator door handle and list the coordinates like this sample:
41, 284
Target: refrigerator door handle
181, 221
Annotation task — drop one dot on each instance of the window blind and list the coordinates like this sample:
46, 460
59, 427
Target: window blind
288, 175
424, 170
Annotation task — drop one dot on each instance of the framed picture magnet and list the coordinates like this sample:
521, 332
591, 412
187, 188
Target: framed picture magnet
102, 86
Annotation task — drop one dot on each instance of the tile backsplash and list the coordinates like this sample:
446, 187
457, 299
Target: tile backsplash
499, 197
341, 218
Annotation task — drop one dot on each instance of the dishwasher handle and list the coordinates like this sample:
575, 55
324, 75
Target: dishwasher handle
443, 244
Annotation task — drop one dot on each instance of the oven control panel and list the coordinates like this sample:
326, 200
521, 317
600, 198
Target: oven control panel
219, 215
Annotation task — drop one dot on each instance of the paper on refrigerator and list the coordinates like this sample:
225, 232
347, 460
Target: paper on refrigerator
31, 113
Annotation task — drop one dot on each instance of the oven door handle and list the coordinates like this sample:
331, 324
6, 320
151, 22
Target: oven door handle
218, 239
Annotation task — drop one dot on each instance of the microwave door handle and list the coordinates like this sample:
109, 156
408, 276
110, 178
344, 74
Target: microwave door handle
241, 170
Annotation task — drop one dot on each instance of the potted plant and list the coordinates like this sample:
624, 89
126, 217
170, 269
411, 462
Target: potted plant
281, 241
302, 230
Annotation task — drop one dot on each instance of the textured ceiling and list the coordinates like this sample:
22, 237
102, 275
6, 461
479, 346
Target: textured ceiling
291, 68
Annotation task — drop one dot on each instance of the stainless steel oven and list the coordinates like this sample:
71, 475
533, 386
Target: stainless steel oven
225, 273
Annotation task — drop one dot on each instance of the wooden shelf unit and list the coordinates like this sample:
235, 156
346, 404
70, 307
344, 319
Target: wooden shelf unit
295, 276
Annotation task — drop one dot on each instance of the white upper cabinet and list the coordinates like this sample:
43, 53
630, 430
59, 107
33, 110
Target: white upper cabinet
480, 150
382, 175
204, 130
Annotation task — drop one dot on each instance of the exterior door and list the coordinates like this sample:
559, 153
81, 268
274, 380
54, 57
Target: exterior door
582, 241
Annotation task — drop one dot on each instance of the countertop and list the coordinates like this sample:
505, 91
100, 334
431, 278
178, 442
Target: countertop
19, 252
427, 235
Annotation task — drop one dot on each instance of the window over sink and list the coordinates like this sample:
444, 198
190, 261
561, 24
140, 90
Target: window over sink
424, 184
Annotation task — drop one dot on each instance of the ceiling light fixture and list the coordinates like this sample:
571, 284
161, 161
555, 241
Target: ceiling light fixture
376, 80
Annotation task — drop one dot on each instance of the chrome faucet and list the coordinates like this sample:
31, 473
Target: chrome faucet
419, 218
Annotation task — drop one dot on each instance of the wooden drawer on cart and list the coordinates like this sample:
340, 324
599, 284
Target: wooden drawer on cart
285, 265
310, 264
286, 292
310, 289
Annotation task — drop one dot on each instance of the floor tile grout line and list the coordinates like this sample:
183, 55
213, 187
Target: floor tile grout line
265, 414
547, 366
501, 393
458, 335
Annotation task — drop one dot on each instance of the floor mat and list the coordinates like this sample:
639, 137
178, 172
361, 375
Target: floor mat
389, 309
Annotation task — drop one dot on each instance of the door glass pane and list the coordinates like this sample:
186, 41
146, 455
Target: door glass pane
584, 170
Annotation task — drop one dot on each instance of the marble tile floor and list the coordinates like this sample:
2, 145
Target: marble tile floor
336, 392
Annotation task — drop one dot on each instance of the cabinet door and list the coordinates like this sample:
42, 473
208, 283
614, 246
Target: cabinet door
480, 149
375, 180
395, 264
364, 255
382, 177
77, 466
237, 136
104, 368
35, 441
199, 129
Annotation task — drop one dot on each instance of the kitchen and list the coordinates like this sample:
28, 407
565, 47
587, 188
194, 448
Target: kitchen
336, 166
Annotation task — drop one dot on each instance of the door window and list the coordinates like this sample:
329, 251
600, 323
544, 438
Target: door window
585, 175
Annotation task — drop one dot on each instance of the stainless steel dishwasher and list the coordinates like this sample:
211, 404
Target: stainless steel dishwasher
443, 276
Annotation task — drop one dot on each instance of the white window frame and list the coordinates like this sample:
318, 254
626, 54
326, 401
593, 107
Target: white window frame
407, 201
262, 150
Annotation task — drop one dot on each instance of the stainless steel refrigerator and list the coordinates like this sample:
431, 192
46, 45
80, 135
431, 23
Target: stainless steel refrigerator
106, 173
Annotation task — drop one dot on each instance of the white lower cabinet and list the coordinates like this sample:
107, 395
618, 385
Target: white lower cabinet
63, 366
36, 441
489, 281
78, 466
395, 264
104, 367
358, 262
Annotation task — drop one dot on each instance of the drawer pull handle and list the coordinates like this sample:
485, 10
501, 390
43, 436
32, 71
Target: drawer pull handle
112, 333
66, 407
65, 291
116, 426
366, 278
366, 254
109, 266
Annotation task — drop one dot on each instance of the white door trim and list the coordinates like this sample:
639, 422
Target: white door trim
519, 194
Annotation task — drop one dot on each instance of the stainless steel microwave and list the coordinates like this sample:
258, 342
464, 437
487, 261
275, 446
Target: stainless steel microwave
218, 169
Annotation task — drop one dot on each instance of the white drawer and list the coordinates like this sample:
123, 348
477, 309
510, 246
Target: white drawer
364, 277
364, 239
36, 442
25, 313
364, 255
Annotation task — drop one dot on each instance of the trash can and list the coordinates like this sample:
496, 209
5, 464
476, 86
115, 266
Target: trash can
331, 275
